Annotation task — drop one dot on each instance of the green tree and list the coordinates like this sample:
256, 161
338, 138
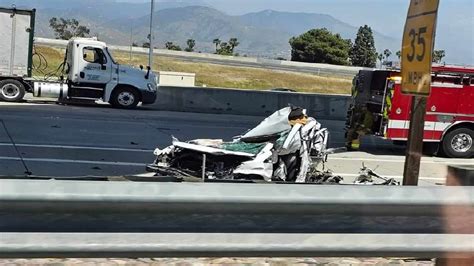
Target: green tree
380, 57
387, 53
399, 54
217, 42
363, 51
233, 42
172, 46
191, 44
438, 56
227, 48
65, 29
146, 45
320, 46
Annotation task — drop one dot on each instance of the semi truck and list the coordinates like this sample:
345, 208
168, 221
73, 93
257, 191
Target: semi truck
379, 108
89, 72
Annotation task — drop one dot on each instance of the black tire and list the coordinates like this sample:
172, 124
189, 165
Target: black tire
11, 90
125, 98
458, 143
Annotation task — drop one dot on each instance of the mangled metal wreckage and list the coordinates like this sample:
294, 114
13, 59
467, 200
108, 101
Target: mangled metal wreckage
287, 146
281, 148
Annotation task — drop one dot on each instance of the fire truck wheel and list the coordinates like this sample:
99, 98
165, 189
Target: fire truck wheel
459, 143
11, 90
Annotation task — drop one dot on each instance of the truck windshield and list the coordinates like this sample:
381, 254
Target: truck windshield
110, 55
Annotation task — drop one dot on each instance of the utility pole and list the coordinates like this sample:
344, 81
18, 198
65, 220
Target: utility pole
150, 55
131, 42
414, 152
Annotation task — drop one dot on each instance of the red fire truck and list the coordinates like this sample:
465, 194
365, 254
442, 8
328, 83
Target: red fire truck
379, 108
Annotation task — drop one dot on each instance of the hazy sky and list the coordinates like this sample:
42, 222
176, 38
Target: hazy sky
455, 22
455, 25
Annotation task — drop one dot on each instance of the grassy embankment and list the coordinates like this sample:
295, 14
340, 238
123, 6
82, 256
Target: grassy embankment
213, 75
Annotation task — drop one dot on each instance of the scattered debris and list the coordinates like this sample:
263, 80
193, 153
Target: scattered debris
367, 176
324, 177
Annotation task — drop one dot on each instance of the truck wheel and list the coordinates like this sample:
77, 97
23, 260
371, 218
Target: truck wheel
11, 90
125, 97
459, 143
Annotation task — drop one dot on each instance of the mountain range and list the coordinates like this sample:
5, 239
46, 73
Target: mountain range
264, 33
261, 33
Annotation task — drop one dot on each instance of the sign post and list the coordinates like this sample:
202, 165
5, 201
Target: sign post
417, 52
150, 36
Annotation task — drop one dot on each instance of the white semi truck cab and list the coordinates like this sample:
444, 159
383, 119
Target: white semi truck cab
92, 73
89, 71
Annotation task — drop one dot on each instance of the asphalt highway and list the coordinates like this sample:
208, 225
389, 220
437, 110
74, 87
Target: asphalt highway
53, 140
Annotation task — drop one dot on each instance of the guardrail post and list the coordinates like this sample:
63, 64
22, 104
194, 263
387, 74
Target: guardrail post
455, 262
461, 175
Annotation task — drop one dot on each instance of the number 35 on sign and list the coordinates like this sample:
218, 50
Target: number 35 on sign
417, 47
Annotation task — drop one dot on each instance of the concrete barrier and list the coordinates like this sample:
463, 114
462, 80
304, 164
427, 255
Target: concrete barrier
249, 102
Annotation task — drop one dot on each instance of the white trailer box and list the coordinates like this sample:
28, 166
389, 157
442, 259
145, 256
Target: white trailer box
16, 42
166, 78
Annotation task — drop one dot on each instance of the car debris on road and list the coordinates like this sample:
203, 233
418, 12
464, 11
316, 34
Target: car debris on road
288, 146
367, 176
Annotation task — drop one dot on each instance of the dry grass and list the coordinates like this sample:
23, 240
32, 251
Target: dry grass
213, 75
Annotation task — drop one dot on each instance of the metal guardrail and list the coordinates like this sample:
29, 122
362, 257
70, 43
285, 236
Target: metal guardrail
102, 219
31, 245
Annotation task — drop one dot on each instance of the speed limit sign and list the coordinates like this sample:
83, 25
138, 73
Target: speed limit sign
417, 47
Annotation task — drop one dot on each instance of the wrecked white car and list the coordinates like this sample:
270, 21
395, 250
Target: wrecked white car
286, 147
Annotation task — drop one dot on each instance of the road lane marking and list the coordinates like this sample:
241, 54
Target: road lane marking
48, 160
76, 147
451, 161
339, 174
146, 175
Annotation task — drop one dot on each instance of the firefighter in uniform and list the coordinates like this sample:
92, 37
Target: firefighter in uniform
361, 121
361, 124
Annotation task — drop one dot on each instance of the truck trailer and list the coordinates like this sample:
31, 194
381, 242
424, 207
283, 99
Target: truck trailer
88, 73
